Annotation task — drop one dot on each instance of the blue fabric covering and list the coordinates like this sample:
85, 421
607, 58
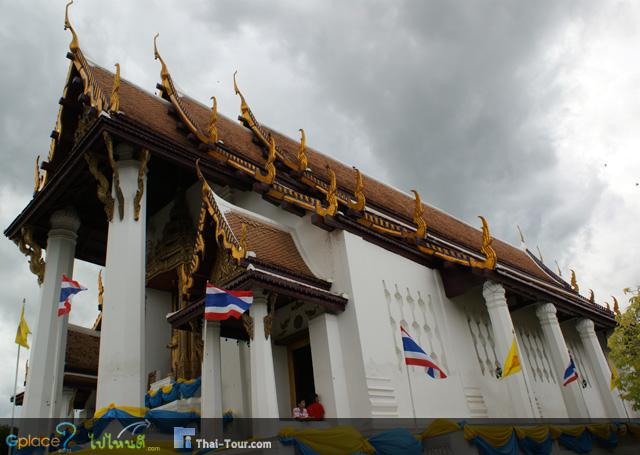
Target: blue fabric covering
581, 444
510, 448
610, 443
396, 441
188, 390
301, 448
531, 447
173, 395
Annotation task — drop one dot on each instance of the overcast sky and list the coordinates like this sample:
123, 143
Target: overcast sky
525, 112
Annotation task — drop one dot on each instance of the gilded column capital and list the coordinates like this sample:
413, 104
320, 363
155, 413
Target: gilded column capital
586, 328
547, 314
494, 294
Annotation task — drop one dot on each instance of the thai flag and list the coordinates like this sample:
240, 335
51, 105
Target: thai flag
570, 374
220, 304
414, 355
68, 288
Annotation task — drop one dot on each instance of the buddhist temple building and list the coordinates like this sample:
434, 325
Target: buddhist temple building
165, 194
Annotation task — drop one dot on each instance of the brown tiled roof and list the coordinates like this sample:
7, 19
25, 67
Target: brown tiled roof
153, 111
270, 244
83, 348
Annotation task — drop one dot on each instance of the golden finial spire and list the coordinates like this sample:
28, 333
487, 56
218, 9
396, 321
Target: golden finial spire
73, 45
245, 112
616, 307
539, 254
270, 176
114, 100
213, 117
361, 201
486, 249
592, 297
303, 161
100, 291
164, 71
523, 244
418, 218
574, 281
558, 267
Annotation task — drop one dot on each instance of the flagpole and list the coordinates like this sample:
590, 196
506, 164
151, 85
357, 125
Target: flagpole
413, 404
15, 389
524, 375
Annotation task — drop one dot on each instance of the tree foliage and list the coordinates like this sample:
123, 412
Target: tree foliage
624, 344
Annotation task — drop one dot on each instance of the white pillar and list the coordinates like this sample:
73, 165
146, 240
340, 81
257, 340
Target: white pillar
122, 374
328, 365
264, 402
503, 335
49, 345
571, 393
601, 371
245, 377
211, 401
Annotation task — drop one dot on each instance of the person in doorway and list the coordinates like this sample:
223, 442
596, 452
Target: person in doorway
300, 411
316, 410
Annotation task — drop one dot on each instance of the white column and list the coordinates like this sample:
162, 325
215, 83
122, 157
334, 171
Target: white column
328, 366
49, 345
571, 393
264, 402
211, 401
601, 371
245, 377
122, 373
503, 334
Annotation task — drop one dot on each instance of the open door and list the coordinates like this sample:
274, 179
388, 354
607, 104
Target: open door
301, 385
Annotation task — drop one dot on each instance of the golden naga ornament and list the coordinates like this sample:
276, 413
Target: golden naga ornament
32, 250
38, 178
592, 297
104, 190
270, 175
418, 219
144, 160
245, 112
100, 291
303, 161
558, 267
360, 202
574, 281
213, 117
73, 45
491, 260
116, 176
114, 100
616, 307
332, 196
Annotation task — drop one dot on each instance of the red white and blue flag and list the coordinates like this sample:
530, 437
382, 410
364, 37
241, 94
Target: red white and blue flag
220, 304
68, 288
570, 374
415, 355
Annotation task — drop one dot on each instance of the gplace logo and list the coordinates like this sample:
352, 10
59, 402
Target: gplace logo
66, 430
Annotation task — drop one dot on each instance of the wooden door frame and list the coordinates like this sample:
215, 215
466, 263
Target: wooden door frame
302, 342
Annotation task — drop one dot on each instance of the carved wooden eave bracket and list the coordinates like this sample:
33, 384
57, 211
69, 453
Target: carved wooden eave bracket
32, 250
137, 199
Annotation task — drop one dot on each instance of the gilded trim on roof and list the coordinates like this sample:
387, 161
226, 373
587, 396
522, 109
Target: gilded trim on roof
114, 100
270, 175
418, 219
169, 89
303, 161
574, 281
491, 258
359, 204
213, 118
331, 196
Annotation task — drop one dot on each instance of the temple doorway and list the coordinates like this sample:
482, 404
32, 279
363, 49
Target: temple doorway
301, 384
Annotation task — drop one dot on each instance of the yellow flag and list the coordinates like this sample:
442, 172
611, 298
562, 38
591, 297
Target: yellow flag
23, 331
614, 375
512, 362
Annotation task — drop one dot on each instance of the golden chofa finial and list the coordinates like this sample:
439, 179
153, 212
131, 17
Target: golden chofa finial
592, 297
574, 281
523, 244
539, 254
332, 196
418, 218
164, 72
73, 45
213, 118
37, 183
491, 258
360, 201
303, 161
100, 291
616, 307
114, 100
270, 167
245, 112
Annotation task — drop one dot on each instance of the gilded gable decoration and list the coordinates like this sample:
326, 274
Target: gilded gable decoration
303, 161
104, 189
418, 219
114, 100
491, 258
616, 307
38, 178
331, 196
359, 204
144, 160
116, 176
270, 167
30, 248
213, 118
574, 281
592, 297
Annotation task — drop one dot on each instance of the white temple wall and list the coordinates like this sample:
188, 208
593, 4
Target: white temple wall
590, 392
544, 384
158, 332
281, 370
232, 394
400, 292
